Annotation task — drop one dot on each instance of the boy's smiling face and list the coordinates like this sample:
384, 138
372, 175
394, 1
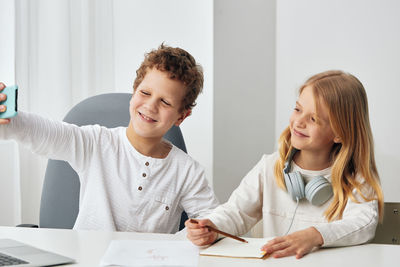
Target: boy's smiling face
155, 105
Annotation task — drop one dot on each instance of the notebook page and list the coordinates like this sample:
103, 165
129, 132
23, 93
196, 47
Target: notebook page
150, 253
228, 247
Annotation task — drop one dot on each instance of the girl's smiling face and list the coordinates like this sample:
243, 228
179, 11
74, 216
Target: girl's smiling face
311, 131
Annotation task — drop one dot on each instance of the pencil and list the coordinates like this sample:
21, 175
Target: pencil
265, 256
221, 232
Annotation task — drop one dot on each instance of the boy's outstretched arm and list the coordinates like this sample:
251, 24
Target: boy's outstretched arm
3, 108
52, 139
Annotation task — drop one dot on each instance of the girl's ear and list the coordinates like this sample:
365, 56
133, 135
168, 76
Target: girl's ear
184, 115
337, 140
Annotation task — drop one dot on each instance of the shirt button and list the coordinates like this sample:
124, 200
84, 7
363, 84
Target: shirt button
166, 208
140, 188
147, 163
144, 175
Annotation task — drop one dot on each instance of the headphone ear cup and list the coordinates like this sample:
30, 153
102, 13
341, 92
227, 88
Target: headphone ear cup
295, 185
318, 190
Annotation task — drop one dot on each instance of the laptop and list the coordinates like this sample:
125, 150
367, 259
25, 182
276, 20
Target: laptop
14, 253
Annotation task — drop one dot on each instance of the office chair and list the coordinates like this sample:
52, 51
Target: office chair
388, 232
60, 194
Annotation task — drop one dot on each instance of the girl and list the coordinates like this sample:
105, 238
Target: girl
329, 136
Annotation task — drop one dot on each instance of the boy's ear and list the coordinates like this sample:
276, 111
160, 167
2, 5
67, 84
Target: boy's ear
186, 113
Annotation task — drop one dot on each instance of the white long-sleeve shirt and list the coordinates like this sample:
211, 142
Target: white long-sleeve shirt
258, 197
121, 189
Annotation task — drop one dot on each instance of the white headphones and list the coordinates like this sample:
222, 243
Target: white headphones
317, 191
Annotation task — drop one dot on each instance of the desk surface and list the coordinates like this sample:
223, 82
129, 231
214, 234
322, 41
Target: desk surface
87, 247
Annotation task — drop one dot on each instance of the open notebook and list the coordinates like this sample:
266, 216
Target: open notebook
228, 247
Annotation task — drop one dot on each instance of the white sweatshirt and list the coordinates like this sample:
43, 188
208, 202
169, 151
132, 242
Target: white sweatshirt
121, 189
258, 197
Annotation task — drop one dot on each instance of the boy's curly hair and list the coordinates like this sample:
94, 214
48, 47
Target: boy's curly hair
180, 65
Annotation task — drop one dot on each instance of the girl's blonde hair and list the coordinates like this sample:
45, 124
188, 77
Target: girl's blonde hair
346, 100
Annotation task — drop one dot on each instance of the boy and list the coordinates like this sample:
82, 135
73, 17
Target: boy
131, 178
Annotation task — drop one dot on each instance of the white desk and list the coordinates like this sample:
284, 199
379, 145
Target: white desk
87, 247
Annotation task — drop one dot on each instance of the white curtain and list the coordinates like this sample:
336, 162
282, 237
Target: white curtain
10, 198
64, 54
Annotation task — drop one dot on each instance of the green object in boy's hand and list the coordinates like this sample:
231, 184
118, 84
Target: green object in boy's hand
10, 102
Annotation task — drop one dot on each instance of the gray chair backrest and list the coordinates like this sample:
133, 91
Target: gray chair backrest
388, 232
60, 194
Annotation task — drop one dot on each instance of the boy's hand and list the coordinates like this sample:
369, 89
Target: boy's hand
298, 243
3, 107
199, 234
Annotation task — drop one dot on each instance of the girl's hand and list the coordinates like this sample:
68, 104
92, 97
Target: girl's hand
199, 234
298, 243
2, 107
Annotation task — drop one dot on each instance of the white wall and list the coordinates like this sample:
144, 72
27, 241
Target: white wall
244, 89
361, 37
140, 26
